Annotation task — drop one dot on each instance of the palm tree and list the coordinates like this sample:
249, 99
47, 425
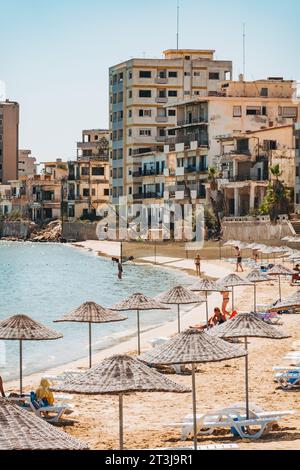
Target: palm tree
278, 198
275, 171
216, 196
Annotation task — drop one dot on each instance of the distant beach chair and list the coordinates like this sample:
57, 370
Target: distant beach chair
269, 317
235, 419
51, 414
289, 379
203, 447
158, 342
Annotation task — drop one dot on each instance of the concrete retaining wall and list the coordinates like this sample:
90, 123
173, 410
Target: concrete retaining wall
254, 230
16, 229
79, 231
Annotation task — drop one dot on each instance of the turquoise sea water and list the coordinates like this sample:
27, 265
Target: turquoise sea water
45, 281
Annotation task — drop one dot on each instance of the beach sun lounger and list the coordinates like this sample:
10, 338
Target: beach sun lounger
51, 414
234, 418
203, 447
289, 379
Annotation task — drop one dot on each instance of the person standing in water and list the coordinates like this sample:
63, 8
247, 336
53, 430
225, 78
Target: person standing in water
120, 270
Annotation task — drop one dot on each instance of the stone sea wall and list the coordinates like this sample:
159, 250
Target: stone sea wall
16, 229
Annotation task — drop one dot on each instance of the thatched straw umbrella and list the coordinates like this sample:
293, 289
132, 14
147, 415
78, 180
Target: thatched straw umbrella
279, 271
118, 375
255, 277
205, 285
139, 302
232, 280
290, 302
22, 328
22, 430
179, 296
247, 325
90, 312
192, 347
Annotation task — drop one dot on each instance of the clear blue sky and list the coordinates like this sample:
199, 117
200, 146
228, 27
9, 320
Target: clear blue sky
54, 55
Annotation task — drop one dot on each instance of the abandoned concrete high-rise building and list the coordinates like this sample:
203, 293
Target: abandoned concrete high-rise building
140, 90
9, 140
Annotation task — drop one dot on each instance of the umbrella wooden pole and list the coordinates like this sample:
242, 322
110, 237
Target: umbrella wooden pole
194, 405
206, 302
279, 284
90, 345
178, 316
138, 331
232, 300
246, 378
121, 427
21, 367
254, 297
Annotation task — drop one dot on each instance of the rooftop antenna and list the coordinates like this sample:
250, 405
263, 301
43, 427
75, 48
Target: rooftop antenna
177, 34
244, 49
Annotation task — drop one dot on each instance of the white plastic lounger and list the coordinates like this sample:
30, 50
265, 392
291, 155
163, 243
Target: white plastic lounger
203, 447
235, 419
52, 414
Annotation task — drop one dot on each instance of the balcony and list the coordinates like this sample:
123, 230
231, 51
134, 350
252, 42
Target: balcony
161, 99
241, 178
193, 121
161, 138
194, 169
161, 80
148, 195
202, 141
144, 151
137, 174
161, 119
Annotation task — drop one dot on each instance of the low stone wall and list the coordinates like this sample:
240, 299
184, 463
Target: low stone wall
256, 230
16, 229
79, 231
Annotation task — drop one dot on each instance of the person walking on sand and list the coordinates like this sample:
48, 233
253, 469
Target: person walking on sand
198, 265
238, 260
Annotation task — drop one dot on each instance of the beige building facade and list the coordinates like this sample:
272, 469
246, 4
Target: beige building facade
26, 163
9, 140
140, 121
242, 130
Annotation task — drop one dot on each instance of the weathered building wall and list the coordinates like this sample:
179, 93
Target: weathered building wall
79, 231
253, 230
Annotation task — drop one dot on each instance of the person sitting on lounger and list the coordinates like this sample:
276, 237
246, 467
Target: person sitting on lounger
217, 319
1, 388
44, 394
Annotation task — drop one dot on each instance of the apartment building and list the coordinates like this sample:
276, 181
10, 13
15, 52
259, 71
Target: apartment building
26, 163
243, 122
94, 143
245, 162
142, 116
297, 170
87, 188
9, 140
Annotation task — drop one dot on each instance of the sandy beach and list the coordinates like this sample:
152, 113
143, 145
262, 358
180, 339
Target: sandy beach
148, 417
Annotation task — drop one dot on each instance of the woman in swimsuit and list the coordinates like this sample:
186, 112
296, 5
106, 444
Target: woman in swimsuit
225, 302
